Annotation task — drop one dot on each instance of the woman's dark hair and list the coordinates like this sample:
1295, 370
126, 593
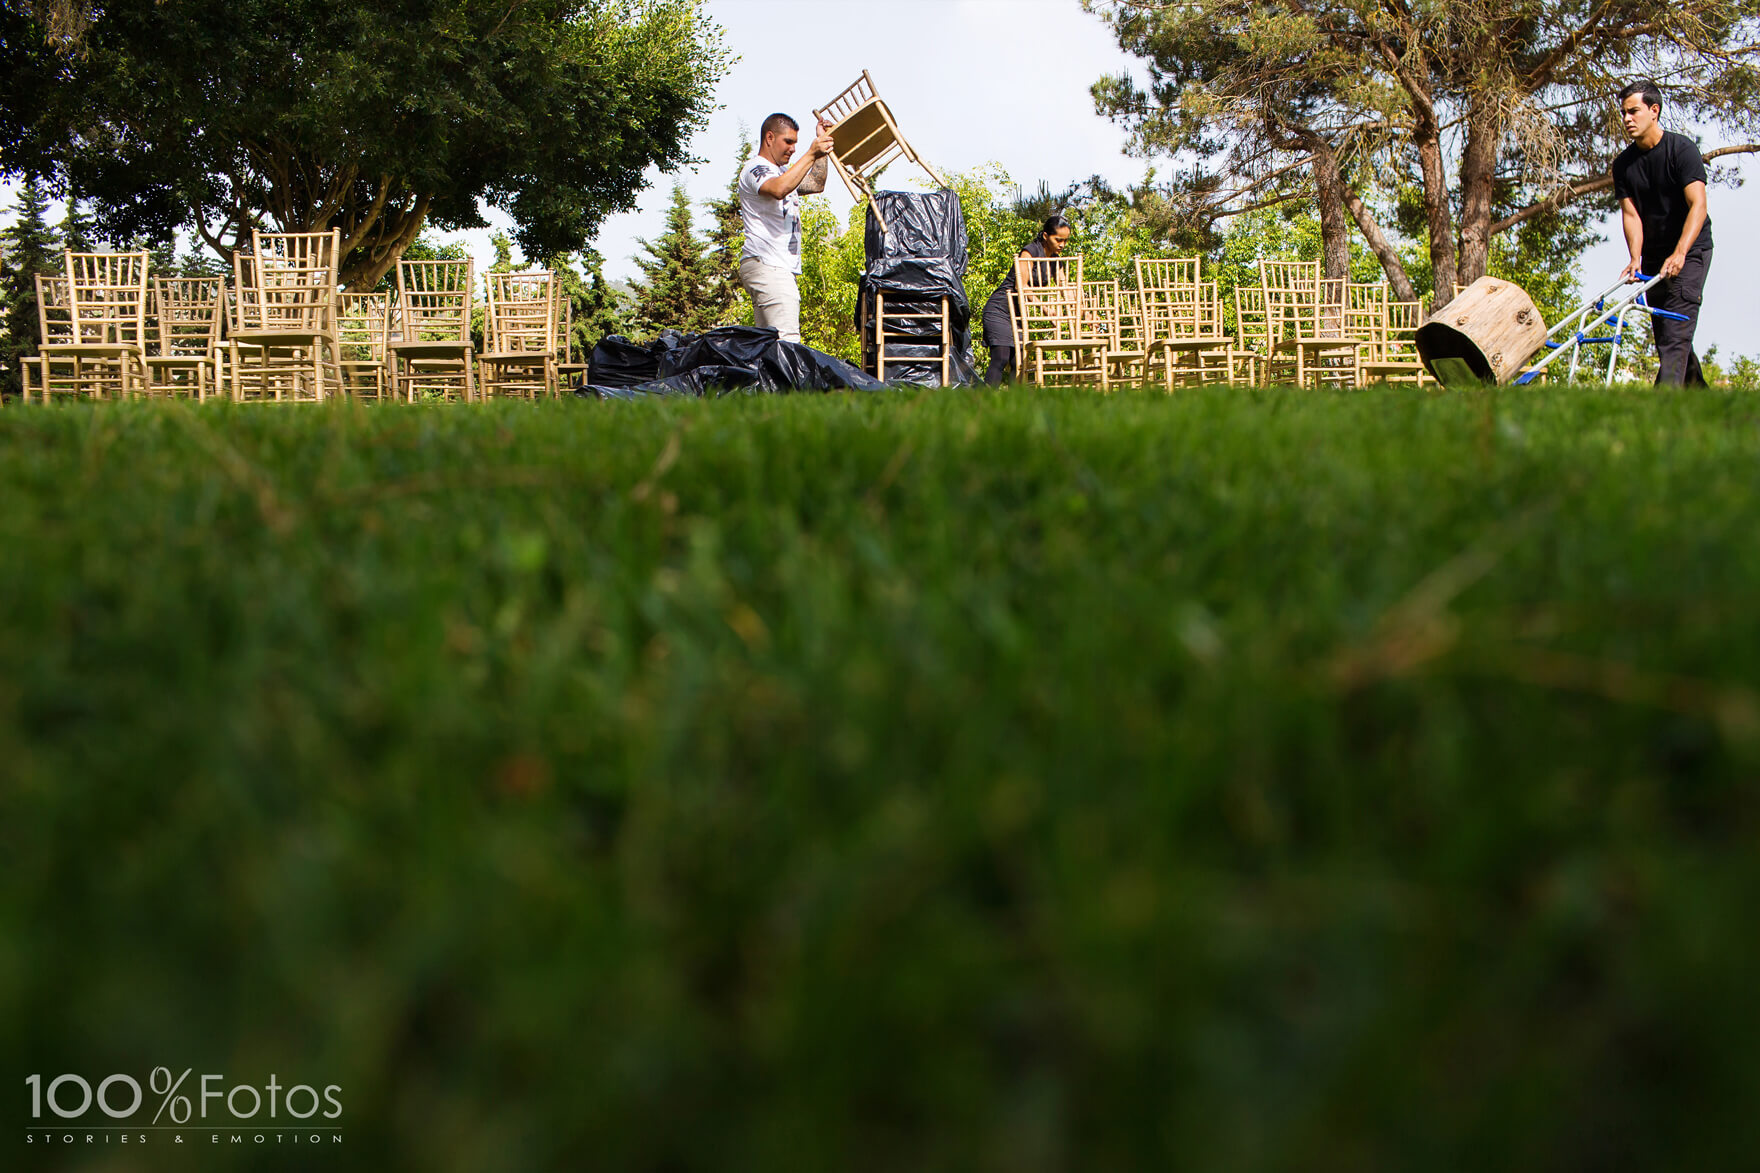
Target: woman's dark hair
1053, 223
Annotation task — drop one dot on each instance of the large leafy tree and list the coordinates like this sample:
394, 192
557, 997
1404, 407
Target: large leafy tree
1494, 113
375, 118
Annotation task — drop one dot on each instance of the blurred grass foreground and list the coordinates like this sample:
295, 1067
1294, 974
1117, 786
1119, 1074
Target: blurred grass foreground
1231, 781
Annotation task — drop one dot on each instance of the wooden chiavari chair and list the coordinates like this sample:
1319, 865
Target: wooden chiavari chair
569, 368
1130, 358
902, 329
1307, 319
866, 140
363, 327
285, 347
1257, 359
1101, 319
1392, 356
186, 329
1184, 318
519, 356
1051, 345
104, 346
54, 328
431, 352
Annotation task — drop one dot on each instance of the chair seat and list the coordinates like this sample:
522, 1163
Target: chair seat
179, 360
280, 337
865, 135
91, 349
420, 349
515, 356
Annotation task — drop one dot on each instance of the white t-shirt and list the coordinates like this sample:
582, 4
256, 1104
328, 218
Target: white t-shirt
773, 227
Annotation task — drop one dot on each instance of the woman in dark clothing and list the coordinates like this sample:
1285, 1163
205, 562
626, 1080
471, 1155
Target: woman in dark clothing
998, 320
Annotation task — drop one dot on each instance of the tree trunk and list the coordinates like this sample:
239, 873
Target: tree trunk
1478, 180
363, 268
1398, 280
1427, 136
1335, 232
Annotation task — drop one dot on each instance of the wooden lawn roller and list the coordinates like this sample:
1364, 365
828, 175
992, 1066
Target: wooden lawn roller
1486, 334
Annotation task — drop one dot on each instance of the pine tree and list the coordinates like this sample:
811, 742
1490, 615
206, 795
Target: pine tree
677, 292
503, 253
602, 309
597, 307
199, 262
77, 232
30, 248
727, 239
162, 257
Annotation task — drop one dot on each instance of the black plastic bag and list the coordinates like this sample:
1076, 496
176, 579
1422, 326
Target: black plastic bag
919, 226
738, 358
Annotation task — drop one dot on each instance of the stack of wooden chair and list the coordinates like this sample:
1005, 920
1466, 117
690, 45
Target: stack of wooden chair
284, 346
93, 325
1183, 328
523, 335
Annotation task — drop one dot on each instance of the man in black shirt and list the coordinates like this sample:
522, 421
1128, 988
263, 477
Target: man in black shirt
1660, 183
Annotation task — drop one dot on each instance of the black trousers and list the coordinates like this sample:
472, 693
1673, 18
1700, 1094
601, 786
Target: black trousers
999, 337
1674, 340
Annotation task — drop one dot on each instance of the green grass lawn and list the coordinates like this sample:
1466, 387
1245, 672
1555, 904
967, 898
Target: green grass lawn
946, 781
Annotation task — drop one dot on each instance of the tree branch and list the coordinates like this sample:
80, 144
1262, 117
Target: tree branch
1578, 188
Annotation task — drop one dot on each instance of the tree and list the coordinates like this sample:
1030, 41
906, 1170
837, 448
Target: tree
832, 258
678, 286
600, 308
377, 118
30, 249
503, 245
727, 240
77, 232
1374, 98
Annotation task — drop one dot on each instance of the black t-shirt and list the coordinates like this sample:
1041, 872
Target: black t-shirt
1035, 248
1656, 181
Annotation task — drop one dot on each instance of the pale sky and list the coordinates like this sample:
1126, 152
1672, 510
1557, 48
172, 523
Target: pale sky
1006, 81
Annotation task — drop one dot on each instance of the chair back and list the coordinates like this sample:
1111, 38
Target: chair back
363, 324
1399, 336
1132, 336
186, 320
1101, 312
287, 283
1252, 320
54, 311
1047, 299
522, 317
107, 298
434, 300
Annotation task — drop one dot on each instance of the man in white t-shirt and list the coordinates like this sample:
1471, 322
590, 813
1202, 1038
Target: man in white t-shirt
770, 192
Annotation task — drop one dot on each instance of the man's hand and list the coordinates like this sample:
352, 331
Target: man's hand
823, 144
1631, 271
1672, 266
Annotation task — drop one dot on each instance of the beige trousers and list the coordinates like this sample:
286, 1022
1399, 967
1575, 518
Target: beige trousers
776, 299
